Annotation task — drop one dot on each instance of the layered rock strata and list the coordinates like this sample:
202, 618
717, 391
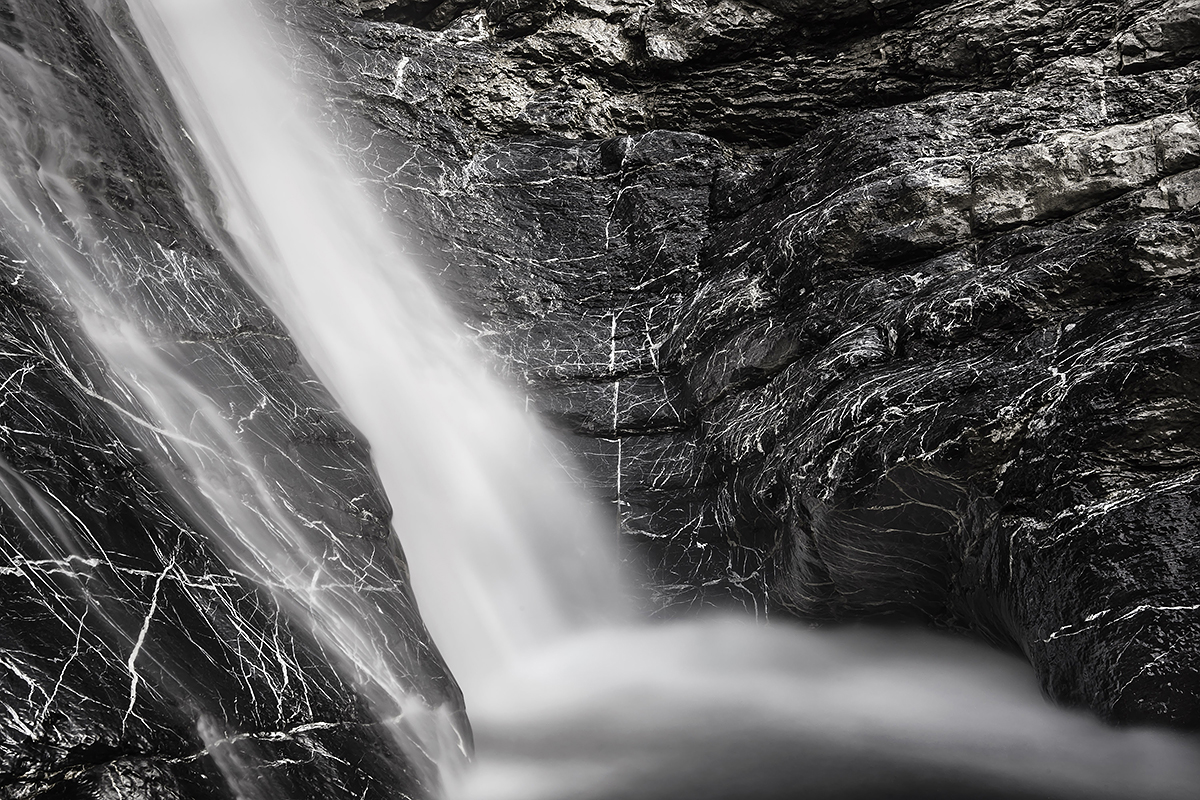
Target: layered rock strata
853, 310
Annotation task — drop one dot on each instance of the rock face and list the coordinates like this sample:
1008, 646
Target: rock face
854, 310
135, 660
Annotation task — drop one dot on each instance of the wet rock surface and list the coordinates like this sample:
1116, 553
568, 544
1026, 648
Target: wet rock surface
136, 659
853, 310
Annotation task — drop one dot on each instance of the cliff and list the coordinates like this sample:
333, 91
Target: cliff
853, 310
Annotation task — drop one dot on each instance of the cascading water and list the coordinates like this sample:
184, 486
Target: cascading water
516, 579
85, 253
463, 464
503, 555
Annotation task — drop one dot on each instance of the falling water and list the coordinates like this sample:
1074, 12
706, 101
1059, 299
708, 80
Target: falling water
515, 578
509, 565
78, 247
503, 555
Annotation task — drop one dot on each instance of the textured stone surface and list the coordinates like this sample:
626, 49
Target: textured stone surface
132, 651
854, 310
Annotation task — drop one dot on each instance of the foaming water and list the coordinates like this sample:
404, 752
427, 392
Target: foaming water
724, 708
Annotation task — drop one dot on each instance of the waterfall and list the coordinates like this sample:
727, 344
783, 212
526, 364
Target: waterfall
120, 292
503, 554
515, 574
512, 569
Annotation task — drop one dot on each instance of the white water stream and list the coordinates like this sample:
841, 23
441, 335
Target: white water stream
515, 574
508, 557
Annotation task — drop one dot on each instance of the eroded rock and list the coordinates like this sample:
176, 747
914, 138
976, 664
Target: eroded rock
853, 310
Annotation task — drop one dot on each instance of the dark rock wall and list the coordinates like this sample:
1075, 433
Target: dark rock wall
124, 630
854, 310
